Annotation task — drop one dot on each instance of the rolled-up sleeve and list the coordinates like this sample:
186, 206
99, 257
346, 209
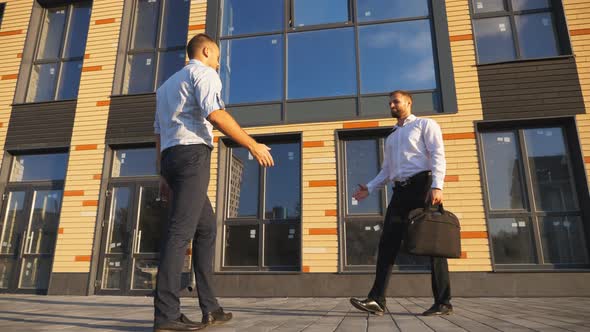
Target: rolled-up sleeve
208, 92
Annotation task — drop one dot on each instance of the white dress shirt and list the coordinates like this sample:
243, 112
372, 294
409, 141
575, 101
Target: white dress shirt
183, 104
415, 147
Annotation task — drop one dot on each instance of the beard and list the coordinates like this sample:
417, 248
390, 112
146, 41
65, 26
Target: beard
395, 114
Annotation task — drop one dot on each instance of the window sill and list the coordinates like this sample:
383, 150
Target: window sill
44, 102
134, 94
258, 272
558, 57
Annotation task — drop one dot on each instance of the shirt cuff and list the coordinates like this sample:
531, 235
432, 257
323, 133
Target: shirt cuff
438, 184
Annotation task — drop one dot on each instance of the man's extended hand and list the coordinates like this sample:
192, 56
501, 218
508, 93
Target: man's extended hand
435, 196
262, 154
164, 194
361, 193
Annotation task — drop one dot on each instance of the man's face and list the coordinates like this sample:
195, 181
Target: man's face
399, 105
212, 56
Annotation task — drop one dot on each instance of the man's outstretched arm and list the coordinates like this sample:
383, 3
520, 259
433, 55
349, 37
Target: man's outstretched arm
225, 123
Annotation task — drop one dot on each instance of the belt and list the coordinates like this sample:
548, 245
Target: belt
411, 179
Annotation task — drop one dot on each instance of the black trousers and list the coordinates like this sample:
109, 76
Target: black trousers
403, 201
186, 169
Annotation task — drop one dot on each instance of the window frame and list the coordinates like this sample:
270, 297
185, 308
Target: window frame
125, 46
530, 212
61, 59
342, 136
224, 183
559, 27
2, 9
446, 92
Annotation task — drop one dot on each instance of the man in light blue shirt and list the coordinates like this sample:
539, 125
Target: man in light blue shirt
188, 106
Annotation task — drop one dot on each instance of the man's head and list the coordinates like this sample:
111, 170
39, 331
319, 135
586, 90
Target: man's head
400, 104
201, 47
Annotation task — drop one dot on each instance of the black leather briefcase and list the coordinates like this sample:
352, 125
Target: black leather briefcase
433, 231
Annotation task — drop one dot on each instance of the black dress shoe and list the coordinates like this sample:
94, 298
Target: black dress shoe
181, 324
216, 317
368, 305
438, 310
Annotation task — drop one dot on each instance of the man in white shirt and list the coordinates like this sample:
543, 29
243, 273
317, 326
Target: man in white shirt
188, 107
414, 161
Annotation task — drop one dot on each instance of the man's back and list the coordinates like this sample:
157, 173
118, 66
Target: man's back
183, 103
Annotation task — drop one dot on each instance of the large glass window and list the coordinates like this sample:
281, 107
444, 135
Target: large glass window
258, 58
534, 216
363, 221
57, 66
517, 29
331, 69
157, 45
263, 210
334, 52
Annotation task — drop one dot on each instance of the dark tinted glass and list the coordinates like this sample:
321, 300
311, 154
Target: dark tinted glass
530, 4
362, 240
52, 35
282, 245
374, 10
536, 35
244, 183
134, 162
512, 240
146, 24
170, 63
139, 75
311, 12
563, 241
409, 64
362, 165
151, 215
244, 17
486, 6
283, 183
331, 71
503, 171
43, 82
69, 82
494, 39
552, 179
175, 25
241, 245
39, 167
78, 31
42, 231
118, 235
16, 215
252, 69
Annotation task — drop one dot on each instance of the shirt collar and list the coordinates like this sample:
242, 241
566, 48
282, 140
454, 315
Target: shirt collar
409, 119
195, 62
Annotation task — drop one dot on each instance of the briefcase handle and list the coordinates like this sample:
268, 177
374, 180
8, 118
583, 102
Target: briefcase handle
439, 207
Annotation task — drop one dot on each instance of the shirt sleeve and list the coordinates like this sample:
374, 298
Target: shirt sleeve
383, 177
156, 118
208, 92
434, 144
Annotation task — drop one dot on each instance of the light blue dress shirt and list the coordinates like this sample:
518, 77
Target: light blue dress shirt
183, 104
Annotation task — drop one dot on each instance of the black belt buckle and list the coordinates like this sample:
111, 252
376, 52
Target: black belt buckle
402, 183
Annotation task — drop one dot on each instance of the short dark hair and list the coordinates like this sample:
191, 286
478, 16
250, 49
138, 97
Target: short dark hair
197, 42
403, 93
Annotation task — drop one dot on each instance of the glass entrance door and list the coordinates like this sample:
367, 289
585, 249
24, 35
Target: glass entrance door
29, 229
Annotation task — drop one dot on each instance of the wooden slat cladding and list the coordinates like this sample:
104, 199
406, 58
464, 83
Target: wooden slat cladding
39, 125
131, 116
530, 89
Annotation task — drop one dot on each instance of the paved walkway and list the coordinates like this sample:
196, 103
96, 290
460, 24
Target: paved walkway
106, 313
